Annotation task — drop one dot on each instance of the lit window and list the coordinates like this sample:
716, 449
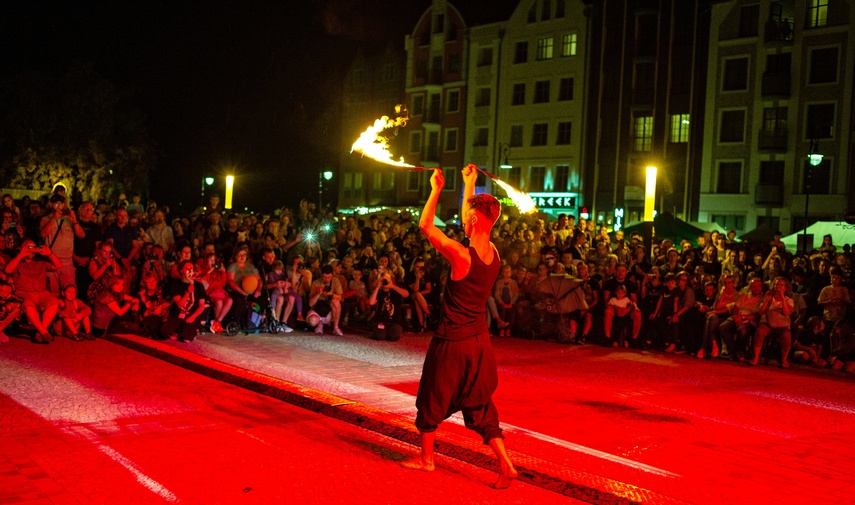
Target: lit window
643, 133
544, 48
818, 14
679, 128
568, 44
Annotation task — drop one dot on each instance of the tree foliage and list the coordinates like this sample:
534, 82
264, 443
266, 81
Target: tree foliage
77, 130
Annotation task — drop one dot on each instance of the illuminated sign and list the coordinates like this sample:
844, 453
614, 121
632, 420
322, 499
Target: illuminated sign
618, 219
554, 200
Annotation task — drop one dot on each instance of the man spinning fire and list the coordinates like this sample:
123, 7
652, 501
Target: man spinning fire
459, 372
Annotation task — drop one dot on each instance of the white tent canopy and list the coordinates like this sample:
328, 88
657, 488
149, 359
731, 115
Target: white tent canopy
841, 233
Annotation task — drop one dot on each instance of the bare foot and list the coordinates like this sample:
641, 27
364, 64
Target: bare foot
505, 478
785, 364
418, 464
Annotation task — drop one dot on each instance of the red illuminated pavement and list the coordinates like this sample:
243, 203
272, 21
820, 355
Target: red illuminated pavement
599, 425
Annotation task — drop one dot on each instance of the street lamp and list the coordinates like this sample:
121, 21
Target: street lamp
206, 181
230, 189
326, 175
649, 203
814, 159
506, 150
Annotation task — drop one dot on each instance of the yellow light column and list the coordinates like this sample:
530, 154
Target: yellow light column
230, 189
650, 193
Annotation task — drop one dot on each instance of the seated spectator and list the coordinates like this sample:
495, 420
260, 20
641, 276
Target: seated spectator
325, 302
808, 347
621, 306
239, 287
188, 305
30, 274
419, 288
74, 316
213, 276
388, 297
609, 286
278, 286
719, 312
103, 267
10, 310
665, 328
777, 309
111, 305
357, 285
154, 307
737, 330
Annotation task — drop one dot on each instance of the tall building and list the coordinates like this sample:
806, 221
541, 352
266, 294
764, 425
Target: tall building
644, 105
780, 88
525, 107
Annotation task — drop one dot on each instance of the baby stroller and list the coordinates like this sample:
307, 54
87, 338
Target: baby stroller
560, 300
256, 316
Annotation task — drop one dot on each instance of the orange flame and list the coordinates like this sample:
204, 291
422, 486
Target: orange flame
374, 144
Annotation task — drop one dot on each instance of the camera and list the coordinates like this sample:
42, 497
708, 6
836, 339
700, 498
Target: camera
385, 282
301, 266
13, 224
66, 212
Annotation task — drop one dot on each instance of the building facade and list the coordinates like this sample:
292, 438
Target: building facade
780, 87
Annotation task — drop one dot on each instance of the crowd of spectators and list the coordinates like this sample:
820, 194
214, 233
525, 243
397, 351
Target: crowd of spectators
126, 266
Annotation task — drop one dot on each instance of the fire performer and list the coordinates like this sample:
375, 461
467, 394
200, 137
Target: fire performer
459, 372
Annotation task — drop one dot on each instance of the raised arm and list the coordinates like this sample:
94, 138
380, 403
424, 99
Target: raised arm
449, 248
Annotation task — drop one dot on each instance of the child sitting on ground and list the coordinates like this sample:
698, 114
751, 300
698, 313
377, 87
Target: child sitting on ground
622, 306
74, 316
358, 285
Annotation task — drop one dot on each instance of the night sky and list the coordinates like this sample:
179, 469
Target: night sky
252, 85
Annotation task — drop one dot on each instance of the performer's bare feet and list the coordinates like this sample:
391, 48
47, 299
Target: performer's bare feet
508, 472
418, 463
424, 461
507, 475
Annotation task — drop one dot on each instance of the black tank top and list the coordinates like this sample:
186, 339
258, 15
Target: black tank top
466, 299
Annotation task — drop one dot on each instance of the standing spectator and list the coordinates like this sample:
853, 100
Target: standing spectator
135, 205
121, 236
161, 233
58, 230
30, 274
420, 289
85, 246
506, 292
609, 286
834, 298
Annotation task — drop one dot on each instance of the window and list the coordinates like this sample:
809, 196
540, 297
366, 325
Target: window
439, 23
483, 99
749, 17
432, 151
353, 184
818, 13
772, 172
565, 89
564, 130
823, 65
518, 96
415, 142
817, 178
421, 68
453, 101
729, 221
568, 44
514, 176
559, 9
735, 74
820, 121
645, 77
539, 134
521, 52
732, 128
775, 120
544, 48
481, 136
541, 92
433, 108
729, 177
388, 72
485, 57
454, 63
545, 10
516, 136
532, 13
779, 64
450, 174
418, 107
643, 133
451, 140
561, 177
413, 179
679, 128
537, 178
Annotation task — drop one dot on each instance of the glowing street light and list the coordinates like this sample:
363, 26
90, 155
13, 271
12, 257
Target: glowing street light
230, 189
649, 201
814, 160
206, 181
326, 175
